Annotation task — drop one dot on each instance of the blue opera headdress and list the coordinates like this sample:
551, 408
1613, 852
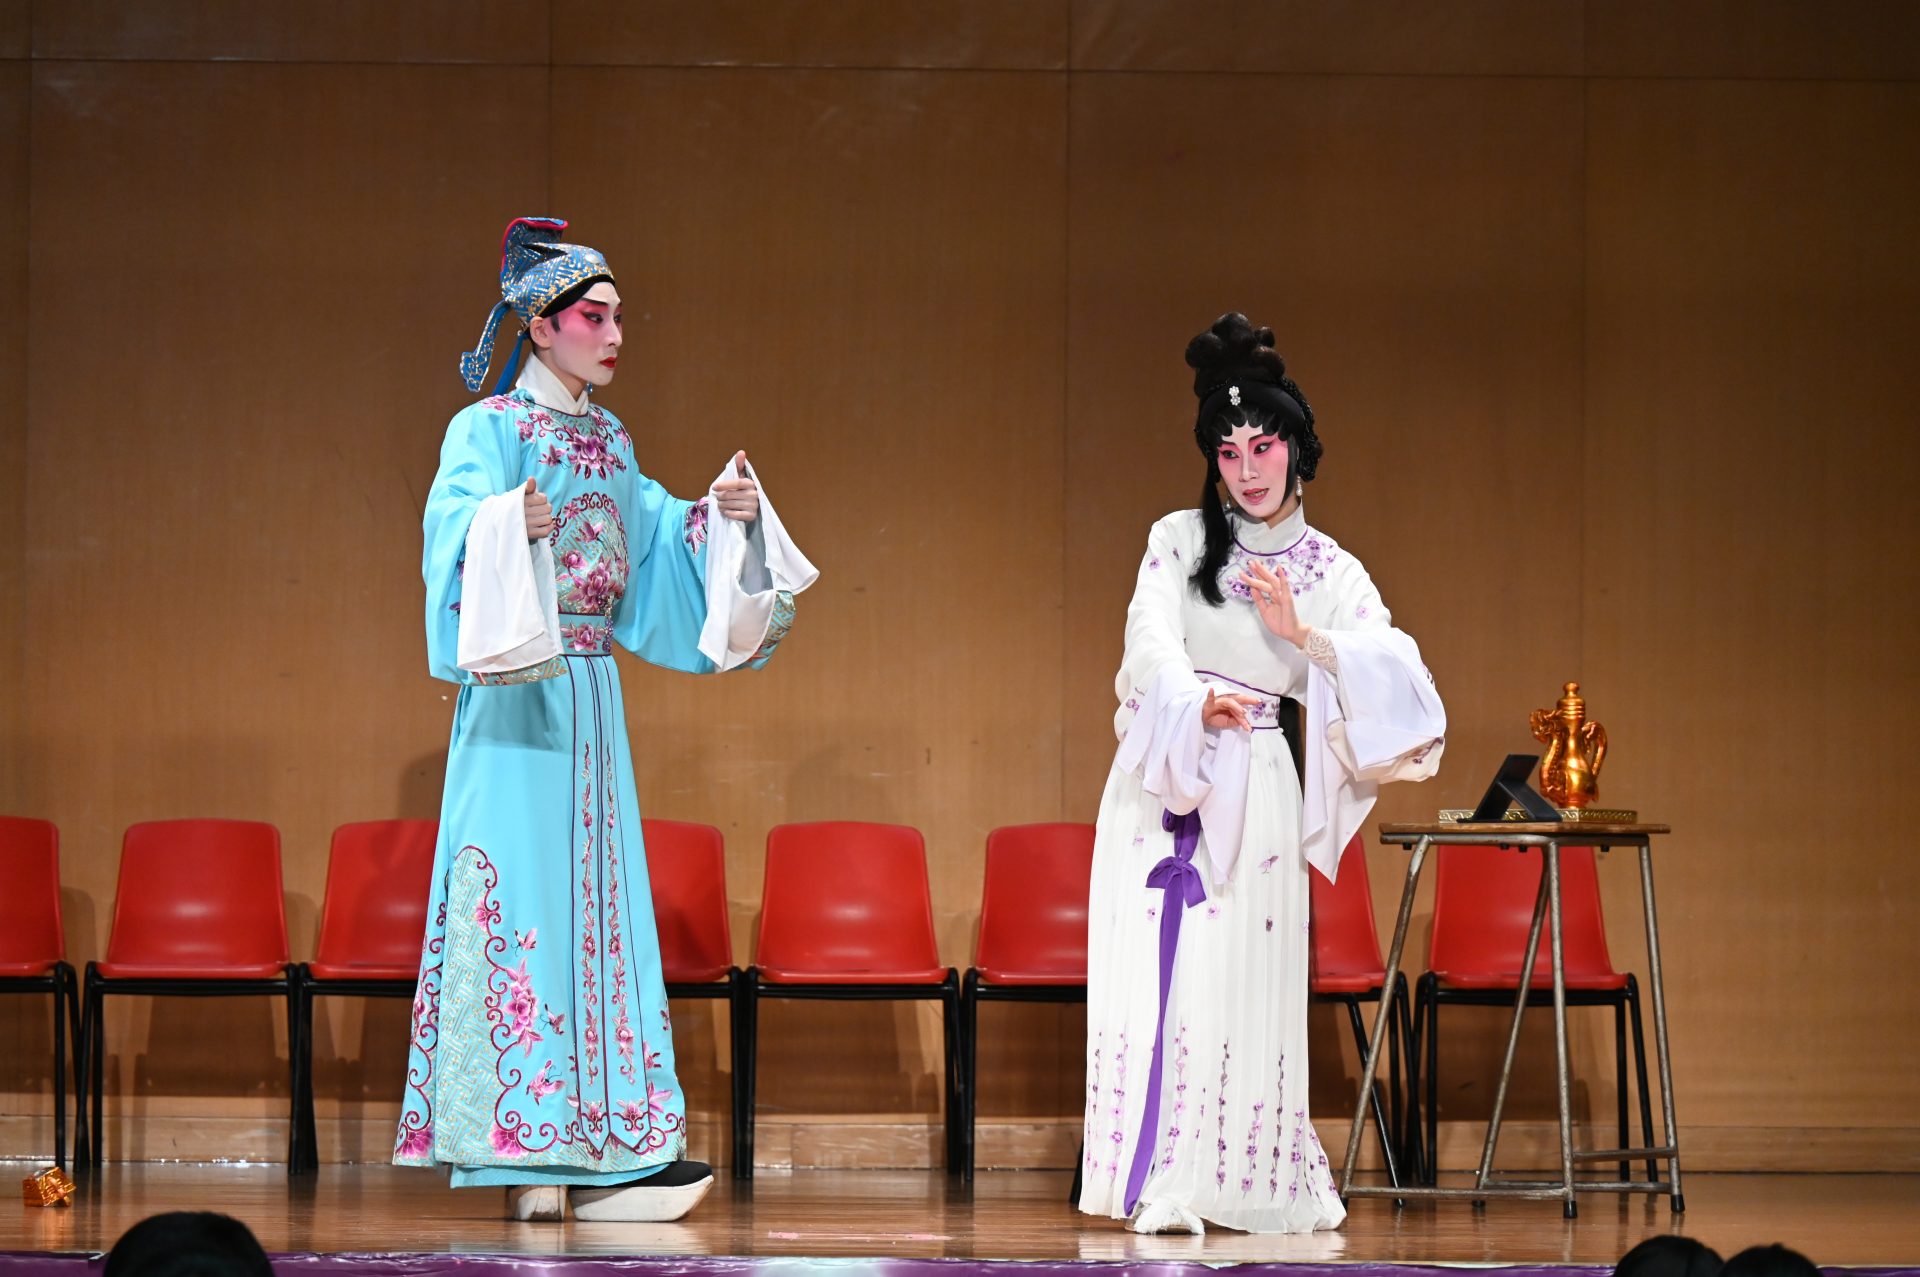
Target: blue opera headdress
535, 268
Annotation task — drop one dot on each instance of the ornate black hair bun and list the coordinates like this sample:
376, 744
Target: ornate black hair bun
1232, 349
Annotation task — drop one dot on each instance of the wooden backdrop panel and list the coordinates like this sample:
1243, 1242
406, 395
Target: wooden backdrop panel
1326, 37
1753, 284
488, 31
1007, 34
24, 1022
1425, 292
15, 80
857, 278
1771, 39
223, 528
16, 27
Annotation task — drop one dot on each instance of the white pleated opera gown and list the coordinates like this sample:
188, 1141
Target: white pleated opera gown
1231, 1141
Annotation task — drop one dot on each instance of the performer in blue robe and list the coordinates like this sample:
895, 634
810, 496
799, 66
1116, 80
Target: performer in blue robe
542, 1052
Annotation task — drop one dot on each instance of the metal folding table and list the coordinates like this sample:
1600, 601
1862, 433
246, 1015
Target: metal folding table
1548, 839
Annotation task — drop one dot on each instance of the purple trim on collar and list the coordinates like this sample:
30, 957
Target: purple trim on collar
1272, 554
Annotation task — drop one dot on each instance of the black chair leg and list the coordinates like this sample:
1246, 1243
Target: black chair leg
60, 1070
1430, 1006
1373, 1089
1394, 1104
969, 1066
1079, 1167
97, 1083
1412, 1156
1620, 1078
82, 1090
79, 1048
1640, 1069
750, 1026
956, 1098
736, 1047
304, 1150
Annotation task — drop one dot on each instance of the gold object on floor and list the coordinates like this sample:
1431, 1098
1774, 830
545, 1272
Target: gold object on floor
51, 1187
1576, 749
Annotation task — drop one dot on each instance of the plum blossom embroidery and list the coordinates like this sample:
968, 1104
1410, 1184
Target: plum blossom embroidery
590, 555
1090, 1155
1299, 1153
586, 637
591, 458
1305, 563
1180, 1054
589, 924
593, 589
1279, 1104
593, 445
415, 1143
1220, 1130
1253, 1147
606, 424
519, 1008
616, 946
693, 529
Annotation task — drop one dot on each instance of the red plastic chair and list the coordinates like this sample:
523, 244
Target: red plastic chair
1033, 936
33, 946
372, 920
846, 914
1346, 968
199, 913
687, 870
1483, 905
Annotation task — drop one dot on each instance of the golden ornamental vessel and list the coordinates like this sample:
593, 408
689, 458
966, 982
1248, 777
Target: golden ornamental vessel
1576, 750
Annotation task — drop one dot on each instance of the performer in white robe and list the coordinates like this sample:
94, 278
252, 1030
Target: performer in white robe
1198, 932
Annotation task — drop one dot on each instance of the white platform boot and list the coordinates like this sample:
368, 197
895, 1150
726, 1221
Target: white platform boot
664, 1196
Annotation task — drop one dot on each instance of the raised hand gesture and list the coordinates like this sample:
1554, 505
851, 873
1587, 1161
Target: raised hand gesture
738, 496
1274, 599
539, 513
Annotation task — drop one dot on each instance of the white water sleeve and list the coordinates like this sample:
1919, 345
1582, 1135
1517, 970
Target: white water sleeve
1186, 765
1379, 719
509, 612
748, 567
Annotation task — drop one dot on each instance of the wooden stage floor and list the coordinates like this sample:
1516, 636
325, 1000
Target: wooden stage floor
1835, 1219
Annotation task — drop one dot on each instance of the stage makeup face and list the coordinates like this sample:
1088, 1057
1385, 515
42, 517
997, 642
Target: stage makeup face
584, 339
1255, 469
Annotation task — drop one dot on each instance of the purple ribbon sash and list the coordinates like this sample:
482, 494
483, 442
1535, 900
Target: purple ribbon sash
1183, 888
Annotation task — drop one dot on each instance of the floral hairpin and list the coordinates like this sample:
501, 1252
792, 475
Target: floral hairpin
1233, 395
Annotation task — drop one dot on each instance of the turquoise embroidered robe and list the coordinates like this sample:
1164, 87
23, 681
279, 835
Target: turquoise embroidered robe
542, 1051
